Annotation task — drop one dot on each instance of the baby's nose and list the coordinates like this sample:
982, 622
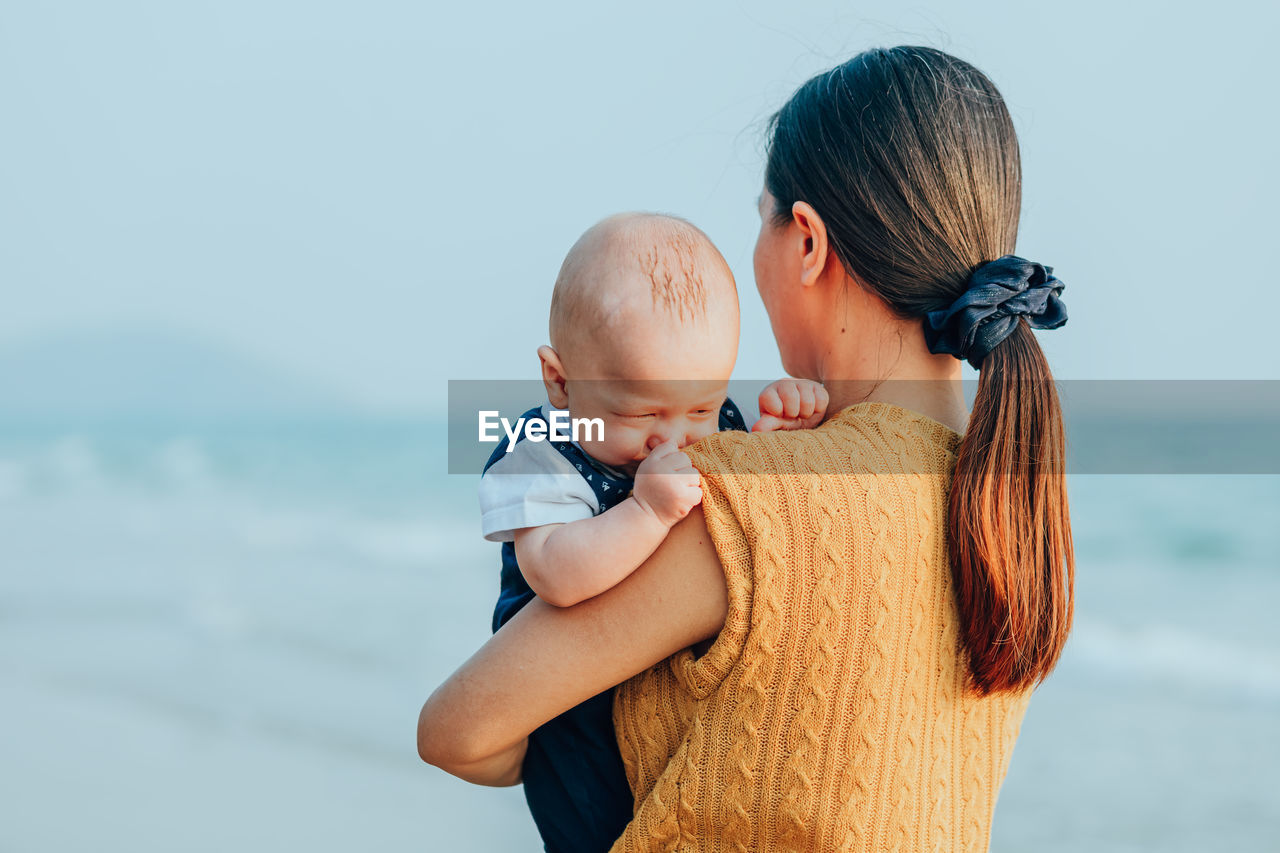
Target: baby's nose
658, 438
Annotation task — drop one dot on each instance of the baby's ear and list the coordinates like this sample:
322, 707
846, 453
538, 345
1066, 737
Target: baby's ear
553, 377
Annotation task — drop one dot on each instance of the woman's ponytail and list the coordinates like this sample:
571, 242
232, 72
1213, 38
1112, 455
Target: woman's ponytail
1009, 528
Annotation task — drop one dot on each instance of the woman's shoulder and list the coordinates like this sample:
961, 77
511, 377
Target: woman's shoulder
864, 438
735, 450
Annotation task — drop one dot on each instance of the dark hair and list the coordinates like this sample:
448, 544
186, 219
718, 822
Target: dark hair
909, 156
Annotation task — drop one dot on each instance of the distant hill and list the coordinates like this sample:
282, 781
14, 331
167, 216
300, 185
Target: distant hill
149, 375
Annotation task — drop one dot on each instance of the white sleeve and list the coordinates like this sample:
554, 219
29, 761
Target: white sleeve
531, 486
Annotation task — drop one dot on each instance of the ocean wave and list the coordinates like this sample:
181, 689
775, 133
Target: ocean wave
184, 462
1171, 654
79, 464
13, 480
307, 490
397, 541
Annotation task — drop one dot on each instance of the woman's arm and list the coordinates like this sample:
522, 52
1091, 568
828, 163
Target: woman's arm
497, 771
549, 659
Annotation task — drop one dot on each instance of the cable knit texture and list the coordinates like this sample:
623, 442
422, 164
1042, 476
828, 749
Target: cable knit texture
831, 713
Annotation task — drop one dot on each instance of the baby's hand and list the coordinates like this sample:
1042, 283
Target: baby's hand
667, 484
792, 404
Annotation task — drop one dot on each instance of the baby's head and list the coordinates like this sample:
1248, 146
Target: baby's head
644, 334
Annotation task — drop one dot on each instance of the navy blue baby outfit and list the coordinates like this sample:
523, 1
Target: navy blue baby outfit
574, 780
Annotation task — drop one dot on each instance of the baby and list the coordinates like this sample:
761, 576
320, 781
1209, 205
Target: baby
644, 335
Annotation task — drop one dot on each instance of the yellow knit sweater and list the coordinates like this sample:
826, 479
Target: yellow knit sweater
831, 713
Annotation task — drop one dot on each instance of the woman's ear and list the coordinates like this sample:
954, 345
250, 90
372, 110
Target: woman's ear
553, 377
814, 251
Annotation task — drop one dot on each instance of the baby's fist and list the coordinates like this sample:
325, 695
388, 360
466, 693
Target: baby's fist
792, 404
667, 484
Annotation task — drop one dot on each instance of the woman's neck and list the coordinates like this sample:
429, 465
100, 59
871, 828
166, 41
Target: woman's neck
941, 400
894, 366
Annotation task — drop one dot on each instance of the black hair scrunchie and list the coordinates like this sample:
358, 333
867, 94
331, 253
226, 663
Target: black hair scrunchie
998, 293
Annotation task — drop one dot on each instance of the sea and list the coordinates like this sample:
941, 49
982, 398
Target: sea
216, 636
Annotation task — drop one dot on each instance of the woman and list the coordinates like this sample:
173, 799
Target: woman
836, 651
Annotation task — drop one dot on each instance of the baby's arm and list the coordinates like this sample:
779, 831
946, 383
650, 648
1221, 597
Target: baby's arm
792, 404
568, 563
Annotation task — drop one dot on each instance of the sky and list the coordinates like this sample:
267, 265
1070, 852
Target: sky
373, 198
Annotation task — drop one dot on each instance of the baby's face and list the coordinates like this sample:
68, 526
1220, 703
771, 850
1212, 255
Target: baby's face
639, 415
660, 382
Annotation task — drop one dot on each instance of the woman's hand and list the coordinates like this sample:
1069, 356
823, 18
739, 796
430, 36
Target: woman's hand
548, 659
